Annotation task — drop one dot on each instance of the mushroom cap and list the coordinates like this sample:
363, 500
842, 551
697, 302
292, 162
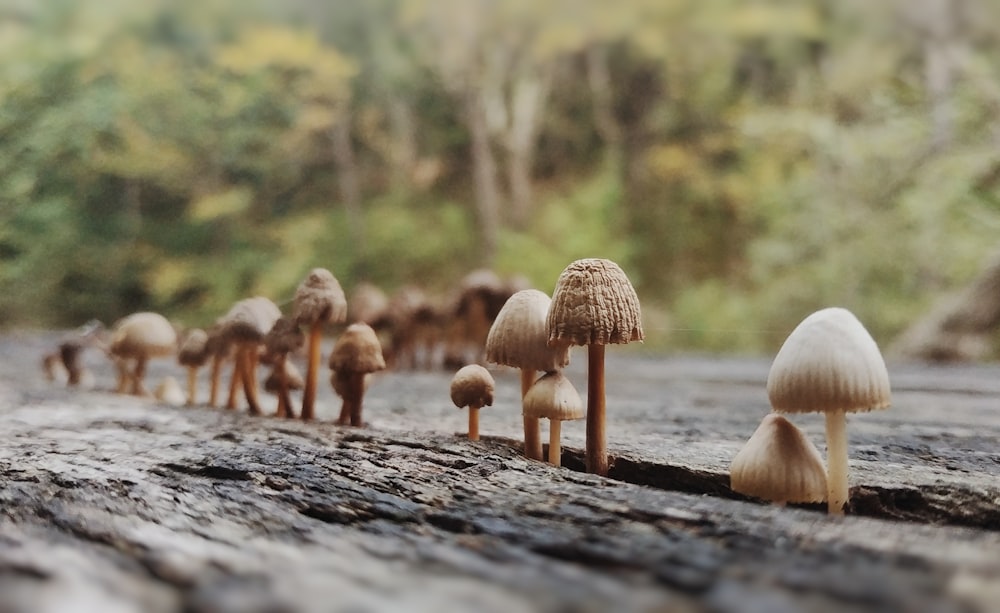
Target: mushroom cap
293, 378
828, 363
553, 396
143, 334
357, 350
594, 303
779, 463
250, 319
339, 378
519, 337
284, 337
169, 391
367, 304
218, 344
194, 348
472, 386
319, 298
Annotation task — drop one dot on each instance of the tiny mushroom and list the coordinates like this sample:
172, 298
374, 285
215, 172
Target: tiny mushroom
472, 386
356, 354
169, 392
245, 325
553, 397
140, 337
519, 338
192, 355
830, 364
594, 304
318, 299
284, 337
218, 347
779, 463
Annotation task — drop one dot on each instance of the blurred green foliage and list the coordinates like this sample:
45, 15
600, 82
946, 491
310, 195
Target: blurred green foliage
745, 162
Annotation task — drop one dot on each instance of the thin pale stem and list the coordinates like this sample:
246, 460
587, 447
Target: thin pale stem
213, 390
138, 376
597, 447
836, 461
192, 384
356, 386
237, 379
532, 429
555, 449
473, 423
250, 378
312, 371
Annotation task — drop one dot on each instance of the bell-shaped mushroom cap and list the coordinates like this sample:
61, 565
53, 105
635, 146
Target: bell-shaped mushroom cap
293, 379
143, 334
779, 463
594, 303
250, 319
553, 397
357, 350
284, 337
472, 386
519, 338
194, 348
829, 363
319, 298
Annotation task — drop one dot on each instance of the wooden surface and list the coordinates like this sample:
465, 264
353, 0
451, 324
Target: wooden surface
114, 503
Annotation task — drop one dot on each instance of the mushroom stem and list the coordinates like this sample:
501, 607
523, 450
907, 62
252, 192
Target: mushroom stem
213, 391
138, 375
597, 450
249, 365
192, 384
284, 400
532, 429
836, 461
555, 450
312, 371
473, 423
356, 389
237, 380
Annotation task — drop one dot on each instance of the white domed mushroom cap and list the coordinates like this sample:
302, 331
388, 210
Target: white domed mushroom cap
553, 397
829, 363
779, 463
143, 334
519, 336
472, 385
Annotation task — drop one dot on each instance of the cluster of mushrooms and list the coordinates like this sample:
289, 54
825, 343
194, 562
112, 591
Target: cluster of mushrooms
829, 364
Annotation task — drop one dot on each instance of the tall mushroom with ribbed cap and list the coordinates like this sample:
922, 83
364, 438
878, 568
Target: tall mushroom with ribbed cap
519, 338
318, 299
779, 463
594, 304
245, 325
283, 338
830, 364
553, 397
192, 355
472, 386
356, 354
140, 337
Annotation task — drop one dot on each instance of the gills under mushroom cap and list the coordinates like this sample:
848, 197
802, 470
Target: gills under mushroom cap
594, 303
472, 386
519, 338
553, 397
779, 463
194, 349
319, 298
829, 363
357, 350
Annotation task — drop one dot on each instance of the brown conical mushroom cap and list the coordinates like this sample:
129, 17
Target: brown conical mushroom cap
357, 350
319, 298
594, 303
553, 397
284, 337
293, 379
519, 338
472, 385
143, 334
250, 319
779, 463
194, 348
829, 363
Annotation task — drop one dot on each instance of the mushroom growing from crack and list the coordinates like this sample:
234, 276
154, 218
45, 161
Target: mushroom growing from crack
140, 337
192, 355
519, 338
357, 353
594, 304
553, 397
779, 463
318, 299
830, 364
472, 386
283, 338
245, 325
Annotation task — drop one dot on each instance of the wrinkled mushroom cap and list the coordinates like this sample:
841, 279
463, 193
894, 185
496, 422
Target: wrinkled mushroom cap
472, 386
250, 319
284, 337
357, 350
829, 363
594, 303
780, 464
519, 338
553, 397
319, 298
194, 348
143, 334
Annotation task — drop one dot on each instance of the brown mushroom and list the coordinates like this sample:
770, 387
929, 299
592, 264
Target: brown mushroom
284, 337
519, 338
139, 338
553, 397
472, 386
594, 304
218, 347
318, 299
245, 325
779, 463
356, 354
192, 355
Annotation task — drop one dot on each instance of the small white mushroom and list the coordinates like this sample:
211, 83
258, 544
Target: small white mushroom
779, 464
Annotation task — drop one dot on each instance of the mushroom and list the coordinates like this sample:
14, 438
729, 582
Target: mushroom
594, 304
245, 325
779, 464
140, 337
219, 348
830, 364
318, 299
554, 398
356, 354
283, 338
193, 354
169, 392
472, 386
519, 338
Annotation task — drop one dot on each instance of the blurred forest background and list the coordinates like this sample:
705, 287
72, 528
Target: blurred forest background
745, 161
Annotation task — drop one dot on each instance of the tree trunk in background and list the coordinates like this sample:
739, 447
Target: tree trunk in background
939, 23
403, 155
484, 174
527, 104
961, 326
350, 187
599, 79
